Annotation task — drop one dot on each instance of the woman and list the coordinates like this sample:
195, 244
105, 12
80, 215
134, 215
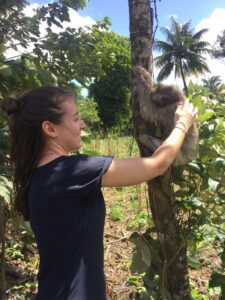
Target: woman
61, 194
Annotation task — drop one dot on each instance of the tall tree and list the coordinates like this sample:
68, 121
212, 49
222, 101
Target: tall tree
215, 86
97, 59
181, 52
17, 31
111, 89
171, 265
82, 50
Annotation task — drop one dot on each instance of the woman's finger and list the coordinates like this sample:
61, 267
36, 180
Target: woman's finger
195, 111
186, 104
191, 106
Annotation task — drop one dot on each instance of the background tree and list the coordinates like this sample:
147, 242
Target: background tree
17, 31
15, 27
78, 50
181, 52
111, 90
88, 110
215, 86
219, 49
97, 59
21, 74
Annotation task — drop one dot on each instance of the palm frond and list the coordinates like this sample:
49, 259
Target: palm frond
185, 29
163, 46
198, 35
168, 34
196, 64
165, 71
163, 59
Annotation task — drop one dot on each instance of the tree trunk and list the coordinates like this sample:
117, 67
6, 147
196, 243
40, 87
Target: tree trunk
2, 250
183, 78
172, 251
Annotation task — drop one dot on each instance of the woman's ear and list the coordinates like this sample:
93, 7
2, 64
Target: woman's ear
49, 129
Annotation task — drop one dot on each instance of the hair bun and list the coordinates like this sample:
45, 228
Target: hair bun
10, 105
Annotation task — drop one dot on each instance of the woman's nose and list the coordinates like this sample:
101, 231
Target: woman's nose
82, 124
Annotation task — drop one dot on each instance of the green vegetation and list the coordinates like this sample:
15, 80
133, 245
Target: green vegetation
112, 95
116, 211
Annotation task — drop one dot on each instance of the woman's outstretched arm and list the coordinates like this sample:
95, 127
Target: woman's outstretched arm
126, 172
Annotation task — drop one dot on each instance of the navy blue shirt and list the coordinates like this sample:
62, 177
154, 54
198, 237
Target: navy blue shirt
67, 213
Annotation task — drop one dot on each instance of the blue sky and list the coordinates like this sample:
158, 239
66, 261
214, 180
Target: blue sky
202, 13
117, 11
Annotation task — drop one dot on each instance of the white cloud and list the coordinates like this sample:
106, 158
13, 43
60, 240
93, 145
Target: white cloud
29, 10
76, 21
215, 23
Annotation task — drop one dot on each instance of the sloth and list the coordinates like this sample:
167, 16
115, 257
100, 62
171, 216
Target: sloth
157, 107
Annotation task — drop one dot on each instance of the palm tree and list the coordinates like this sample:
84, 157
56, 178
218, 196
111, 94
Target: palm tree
215, 86
182, 52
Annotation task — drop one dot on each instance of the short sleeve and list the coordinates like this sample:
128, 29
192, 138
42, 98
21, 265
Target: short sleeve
88, 170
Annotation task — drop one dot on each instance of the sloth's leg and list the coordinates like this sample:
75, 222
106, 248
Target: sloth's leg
150, 142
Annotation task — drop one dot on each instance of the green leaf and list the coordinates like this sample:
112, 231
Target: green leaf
5, 189
4, 193
196, 168
196, 202
206, 116
217, 279
219, 164
28, 239
177, 173
142, 254
17, 221
193, 263
5, 71
197, 102
75, 4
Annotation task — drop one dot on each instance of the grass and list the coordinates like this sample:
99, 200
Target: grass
116, 211
125, 200
120, 147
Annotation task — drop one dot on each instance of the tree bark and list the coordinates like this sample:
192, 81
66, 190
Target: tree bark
183, 78
172, 251
2, 250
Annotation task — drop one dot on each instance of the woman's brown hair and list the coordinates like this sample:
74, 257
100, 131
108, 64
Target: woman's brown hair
26, 115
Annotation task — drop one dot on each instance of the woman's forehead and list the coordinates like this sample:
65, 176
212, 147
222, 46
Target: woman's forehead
69, 105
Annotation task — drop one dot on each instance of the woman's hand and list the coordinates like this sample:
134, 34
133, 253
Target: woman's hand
185, 115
